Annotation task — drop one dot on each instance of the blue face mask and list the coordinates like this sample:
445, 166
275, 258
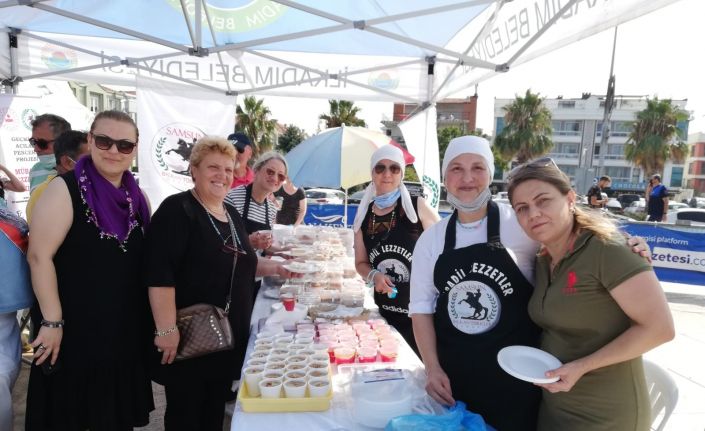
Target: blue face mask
388, 199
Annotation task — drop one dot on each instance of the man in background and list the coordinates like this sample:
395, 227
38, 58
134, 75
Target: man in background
594, 195
658, 200
243, 174
45, 129
68, 148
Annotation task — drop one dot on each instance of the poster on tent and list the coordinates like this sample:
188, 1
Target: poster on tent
17, 114
16, 153
172, 118
421, 140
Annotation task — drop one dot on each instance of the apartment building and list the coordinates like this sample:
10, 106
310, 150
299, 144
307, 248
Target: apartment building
695, 173
577, 135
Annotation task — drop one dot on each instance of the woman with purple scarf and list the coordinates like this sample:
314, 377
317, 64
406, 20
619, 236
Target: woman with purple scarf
85, 254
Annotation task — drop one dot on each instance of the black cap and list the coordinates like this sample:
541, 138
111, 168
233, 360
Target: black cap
240, 141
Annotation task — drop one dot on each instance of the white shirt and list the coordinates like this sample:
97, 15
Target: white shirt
430, 245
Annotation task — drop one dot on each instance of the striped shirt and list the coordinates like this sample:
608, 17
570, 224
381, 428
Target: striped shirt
256, 212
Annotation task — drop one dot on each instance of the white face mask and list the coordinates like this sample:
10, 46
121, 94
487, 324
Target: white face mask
478, 203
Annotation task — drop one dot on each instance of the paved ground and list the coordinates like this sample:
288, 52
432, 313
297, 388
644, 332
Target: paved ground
684, 358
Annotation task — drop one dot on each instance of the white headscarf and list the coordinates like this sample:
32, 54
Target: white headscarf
388, 152
469, 145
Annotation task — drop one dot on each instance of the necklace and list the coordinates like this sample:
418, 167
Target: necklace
374, 228
472, 225
230, 248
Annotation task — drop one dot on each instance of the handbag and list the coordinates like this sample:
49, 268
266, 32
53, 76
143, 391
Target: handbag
205, 328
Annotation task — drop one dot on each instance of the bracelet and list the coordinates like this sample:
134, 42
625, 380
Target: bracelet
370, 281
168, 331
55, 324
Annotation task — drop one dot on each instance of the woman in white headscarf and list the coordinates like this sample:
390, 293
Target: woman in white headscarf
387, 224
470, 287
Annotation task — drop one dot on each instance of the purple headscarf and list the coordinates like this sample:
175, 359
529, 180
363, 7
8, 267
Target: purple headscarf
113, 210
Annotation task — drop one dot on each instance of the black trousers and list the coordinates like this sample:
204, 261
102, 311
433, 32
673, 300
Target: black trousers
195, 404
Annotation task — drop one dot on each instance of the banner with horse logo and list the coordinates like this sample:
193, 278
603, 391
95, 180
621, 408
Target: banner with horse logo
172, 118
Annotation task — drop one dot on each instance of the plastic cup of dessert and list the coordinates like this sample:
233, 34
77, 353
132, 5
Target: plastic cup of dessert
318, 387
306, 352
295, 374
304, 339
316, 373
282, 337
276, 358
270, 388
344, 355
366, 354
297, 359
256, 362
295, 388
320, 357
319, 348
280, 351
264, 341
272, 374
388, 353
297, 367
295, 347
253, 375
275, 366
288, 300
259, 355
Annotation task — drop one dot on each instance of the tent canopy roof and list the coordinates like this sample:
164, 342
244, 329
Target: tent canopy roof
398, 50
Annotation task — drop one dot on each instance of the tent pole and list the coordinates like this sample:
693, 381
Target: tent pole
488, 25
280, 38
609, 105
215, 42
345, 210
13, 81
188, 23
109, 26
541, 31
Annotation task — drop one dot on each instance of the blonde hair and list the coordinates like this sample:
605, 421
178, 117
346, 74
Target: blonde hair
589, 220
211, 144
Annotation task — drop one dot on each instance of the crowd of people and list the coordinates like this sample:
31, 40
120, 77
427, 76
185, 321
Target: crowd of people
109, 277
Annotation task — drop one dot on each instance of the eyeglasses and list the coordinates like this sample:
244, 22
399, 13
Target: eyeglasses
271, 172
380, 168
543, 162
106, 142
41, 143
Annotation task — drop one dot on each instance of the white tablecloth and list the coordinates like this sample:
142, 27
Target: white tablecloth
337, 418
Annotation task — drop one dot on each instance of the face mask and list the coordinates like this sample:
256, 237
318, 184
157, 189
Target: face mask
388, 199
473, 206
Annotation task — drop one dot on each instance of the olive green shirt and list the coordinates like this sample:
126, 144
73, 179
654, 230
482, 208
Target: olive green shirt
578, 317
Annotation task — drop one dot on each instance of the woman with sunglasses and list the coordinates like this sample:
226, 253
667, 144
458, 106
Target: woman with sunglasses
600, 307
470, 286
252, 201
85, 256
387, 224
210, 258
10, 183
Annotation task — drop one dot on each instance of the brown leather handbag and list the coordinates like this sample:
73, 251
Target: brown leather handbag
205, 328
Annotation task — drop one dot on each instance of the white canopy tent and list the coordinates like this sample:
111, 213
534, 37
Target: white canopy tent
411, 51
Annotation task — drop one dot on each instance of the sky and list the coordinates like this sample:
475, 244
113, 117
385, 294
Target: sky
660, 54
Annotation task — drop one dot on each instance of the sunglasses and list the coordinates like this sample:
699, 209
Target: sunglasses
271, 172
394, 169
106, 142
41, 143
543, 162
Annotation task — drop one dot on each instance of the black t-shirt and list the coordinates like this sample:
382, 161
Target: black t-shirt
289, 211
597, 192
184, 252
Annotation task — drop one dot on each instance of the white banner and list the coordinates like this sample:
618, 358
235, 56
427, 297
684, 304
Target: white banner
17, 113
171, 118
422, 142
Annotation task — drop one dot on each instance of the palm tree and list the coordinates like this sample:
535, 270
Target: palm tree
253, 120
527, 131
342, 112
655, 137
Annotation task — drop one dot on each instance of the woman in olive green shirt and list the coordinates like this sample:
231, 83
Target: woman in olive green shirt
600, 307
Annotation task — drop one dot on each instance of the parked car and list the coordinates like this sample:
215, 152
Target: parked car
636, 207
674, 206
324, 196
689, 216
627, 198
612, 203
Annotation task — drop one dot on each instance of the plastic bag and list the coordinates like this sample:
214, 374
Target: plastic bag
455, 418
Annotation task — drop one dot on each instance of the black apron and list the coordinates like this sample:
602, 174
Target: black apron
250, 225
253, 226
390, 253
481, 308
